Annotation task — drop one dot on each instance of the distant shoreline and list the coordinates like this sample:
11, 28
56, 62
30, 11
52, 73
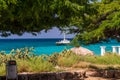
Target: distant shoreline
32, 38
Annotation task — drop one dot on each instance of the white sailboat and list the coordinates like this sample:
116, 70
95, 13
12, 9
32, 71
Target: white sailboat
62, 42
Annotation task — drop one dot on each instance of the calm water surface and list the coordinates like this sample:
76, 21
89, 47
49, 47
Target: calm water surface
48, 46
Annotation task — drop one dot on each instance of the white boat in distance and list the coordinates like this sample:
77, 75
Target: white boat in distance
62, 42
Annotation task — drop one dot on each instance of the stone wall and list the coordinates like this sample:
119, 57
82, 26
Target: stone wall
81, 75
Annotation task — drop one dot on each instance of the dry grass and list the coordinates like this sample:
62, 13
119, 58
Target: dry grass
2, 70
66, 59
81, 65
87, 65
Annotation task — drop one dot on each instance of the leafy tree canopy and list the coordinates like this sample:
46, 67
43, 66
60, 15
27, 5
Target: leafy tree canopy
95, 21
19, 16
103, 25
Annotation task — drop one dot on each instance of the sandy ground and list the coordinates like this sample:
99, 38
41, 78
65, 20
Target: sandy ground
99, 78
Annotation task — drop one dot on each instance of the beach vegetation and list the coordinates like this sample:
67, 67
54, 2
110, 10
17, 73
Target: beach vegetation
75, 42
37, 64
92, 20
27, 61
67, 59
40, 15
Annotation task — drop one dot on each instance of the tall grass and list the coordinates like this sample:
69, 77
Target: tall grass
26, 61
107, 59
67, 59
2, 70
36, 64
29, 62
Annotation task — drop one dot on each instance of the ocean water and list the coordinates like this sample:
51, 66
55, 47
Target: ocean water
48, 46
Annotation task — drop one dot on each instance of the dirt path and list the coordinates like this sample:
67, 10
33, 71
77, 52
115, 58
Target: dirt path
99, 78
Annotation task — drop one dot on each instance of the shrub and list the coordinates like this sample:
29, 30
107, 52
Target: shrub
67, 59
2, 70
28, 62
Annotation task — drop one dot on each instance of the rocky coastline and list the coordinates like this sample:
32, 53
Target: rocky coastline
72, 75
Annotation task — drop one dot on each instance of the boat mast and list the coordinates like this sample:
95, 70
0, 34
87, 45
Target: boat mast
64, 35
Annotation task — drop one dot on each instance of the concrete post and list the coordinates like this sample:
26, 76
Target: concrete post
114, 49
102, 50
119, 50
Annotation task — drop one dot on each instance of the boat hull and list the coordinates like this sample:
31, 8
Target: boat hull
62, 43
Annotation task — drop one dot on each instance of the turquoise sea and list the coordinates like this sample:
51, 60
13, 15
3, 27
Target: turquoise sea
48, 46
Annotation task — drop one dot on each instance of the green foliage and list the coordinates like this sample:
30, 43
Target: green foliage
4, 3
36, 64
107, 59
21, 16
68, 59
26, 61
47, 63
2, 69
95, 20
75, 42
104, 24
53, 58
